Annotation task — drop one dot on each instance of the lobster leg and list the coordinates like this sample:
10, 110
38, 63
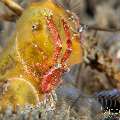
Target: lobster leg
68, 42
56, 39
52, 78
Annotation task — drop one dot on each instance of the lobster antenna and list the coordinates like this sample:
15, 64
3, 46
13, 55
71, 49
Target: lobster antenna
84, 27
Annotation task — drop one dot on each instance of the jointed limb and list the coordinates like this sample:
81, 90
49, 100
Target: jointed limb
52, 77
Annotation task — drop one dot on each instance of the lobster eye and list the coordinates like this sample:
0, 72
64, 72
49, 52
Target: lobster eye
36, 27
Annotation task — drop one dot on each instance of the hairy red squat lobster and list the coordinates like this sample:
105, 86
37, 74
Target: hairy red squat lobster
51, 78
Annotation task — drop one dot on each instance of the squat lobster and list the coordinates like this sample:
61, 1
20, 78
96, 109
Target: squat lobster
51, 78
